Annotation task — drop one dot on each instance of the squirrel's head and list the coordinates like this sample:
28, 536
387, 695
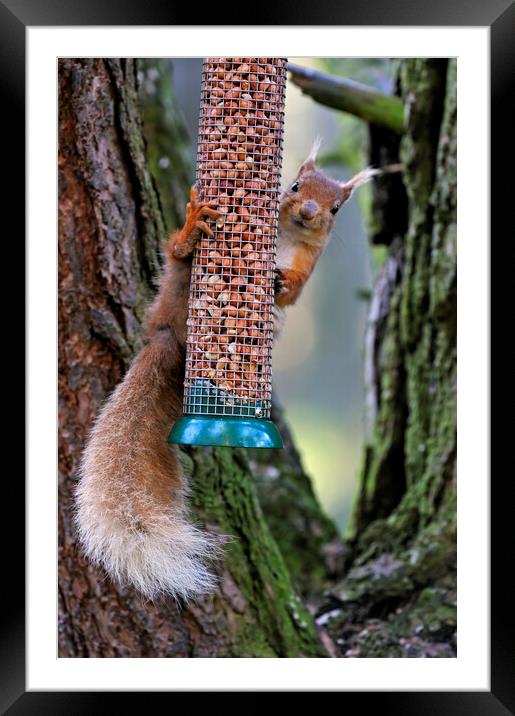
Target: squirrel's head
312, 201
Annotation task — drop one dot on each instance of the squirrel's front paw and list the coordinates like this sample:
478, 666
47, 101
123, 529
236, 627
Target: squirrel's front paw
279, 283
183, 242
197, 213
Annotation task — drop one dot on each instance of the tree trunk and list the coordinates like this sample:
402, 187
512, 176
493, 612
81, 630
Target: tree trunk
398, 596
110, 234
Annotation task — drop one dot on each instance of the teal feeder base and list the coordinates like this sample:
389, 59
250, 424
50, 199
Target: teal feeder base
230, 431
202, 426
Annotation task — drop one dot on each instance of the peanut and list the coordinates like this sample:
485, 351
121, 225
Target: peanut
230, 319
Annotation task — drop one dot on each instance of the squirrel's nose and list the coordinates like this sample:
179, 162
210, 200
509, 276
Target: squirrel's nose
308, 209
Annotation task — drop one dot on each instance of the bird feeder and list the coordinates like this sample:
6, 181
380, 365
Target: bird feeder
228, 377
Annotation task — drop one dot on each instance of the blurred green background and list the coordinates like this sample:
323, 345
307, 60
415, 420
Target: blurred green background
319, 364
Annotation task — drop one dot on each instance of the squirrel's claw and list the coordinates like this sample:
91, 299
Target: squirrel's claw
198, 210
202, 226
206, 210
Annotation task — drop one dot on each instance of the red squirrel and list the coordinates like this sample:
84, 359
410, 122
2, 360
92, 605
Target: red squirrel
131, 499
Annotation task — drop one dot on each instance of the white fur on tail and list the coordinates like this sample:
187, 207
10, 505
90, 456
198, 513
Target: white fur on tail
130, 521
164, 560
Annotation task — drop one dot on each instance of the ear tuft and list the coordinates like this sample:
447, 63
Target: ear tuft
314, 150
361, 178
309, 162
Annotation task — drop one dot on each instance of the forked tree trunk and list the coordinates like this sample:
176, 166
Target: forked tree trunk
398, 594
110, 234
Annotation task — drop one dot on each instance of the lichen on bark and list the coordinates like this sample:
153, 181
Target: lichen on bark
398, 596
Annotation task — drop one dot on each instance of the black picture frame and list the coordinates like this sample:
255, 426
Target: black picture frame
499, 15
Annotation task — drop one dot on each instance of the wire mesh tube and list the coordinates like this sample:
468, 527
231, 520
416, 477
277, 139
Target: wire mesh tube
230, 319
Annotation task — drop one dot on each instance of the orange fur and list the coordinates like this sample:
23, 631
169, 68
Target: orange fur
306, 222
294, 279
131, 510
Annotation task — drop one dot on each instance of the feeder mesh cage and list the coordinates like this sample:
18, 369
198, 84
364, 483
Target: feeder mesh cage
230, 318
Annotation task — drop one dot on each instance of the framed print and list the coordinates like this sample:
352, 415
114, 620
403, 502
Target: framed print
176, 563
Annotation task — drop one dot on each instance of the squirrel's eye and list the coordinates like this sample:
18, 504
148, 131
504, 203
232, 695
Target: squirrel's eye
295, 186
335, 208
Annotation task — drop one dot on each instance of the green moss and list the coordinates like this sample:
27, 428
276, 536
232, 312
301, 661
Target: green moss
402, 555
169, 153
273, 620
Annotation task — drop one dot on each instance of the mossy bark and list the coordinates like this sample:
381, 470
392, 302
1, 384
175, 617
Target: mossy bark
111, 231
398, 596
308, 540
169, 154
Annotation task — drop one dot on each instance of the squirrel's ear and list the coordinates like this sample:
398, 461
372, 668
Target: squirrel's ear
309, 162
361, 178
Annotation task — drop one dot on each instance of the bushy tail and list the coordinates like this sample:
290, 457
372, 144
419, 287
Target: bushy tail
131, 509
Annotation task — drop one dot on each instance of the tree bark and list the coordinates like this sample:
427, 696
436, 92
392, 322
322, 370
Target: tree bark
398, 595
110, 234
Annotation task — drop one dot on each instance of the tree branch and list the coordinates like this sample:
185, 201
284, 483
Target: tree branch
343, 94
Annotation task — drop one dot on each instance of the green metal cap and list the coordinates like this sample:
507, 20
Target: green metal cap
229, 431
